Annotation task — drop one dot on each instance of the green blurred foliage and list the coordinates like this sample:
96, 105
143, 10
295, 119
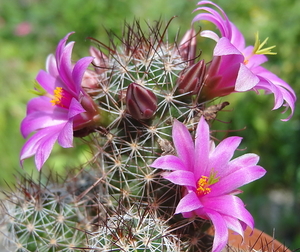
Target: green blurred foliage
276, 142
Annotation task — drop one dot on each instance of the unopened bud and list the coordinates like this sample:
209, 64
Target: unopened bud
90, 83
100, 61
191, 79
141, 103
89, 120
187, 46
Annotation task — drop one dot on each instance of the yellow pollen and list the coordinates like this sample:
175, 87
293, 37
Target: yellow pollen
58, 95
204, 183
203, 186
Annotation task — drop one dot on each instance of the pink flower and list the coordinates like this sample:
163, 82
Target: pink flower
61, 108
23, 29
210, 179
236, 68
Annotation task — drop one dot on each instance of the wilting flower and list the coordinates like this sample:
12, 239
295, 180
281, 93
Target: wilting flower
236, 68
211, 179
141, 103
61, 108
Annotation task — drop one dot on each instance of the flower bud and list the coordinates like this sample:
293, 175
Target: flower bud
187, 46
141, 103
191, 79
90, 83
100, 61
88, 121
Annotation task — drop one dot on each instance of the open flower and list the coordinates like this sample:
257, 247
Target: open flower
211, 180
236, 68
61, 108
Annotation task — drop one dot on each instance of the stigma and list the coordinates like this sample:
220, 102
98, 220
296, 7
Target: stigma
258, 47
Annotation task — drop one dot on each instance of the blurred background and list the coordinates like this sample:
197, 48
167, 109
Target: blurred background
31, 29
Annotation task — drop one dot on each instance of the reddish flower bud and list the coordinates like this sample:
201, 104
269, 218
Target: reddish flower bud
187, 46
191, 78
87, 121
141, 103
100, 61
90, 82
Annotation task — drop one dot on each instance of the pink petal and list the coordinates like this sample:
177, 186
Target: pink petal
40, 144
237, 179
202, 146
184, 144
184, 178
44, 149
65, 68
169, 162
51, 66
65, 136
48, 82
229, 205
78, 71
75, 108
225, 47
234, 224
222, 154
245, 160
61, 45
221, 230
245, 79
41, 114
188, 203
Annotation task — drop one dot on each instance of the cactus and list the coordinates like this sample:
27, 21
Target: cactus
138, 86
130, 206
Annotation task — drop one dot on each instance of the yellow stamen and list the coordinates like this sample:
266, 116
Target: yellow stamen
58, 95
202, 186
204, 182
258, 47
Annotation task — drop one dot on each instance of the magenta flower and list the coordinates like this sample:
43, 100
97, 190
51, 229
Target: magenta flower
61, 108
236, 68
210, 179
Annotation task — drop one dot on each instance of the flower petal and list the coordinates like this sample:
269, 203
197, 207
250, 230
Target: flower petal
229, 205
183, 143
249, 159
202, 146
65, 68
221, 230
234, 224
75, 108
183, 178
237, 179
188, 203
40, 144
65, 136
246, 79
169, 162
79, 70
222, 154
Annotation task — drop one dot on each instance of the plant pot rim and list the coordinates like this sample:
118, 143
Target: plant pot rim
253, 241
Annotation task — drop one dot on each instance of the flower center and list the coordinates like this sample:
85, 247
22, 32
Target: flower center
61, 98
203, 186
204, 183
